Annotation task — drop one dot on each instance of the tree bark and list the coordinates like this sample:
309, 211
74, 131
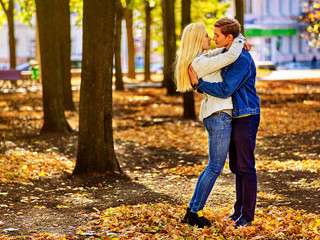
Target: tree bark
169, 43
131, 48
240, 14
65, 53
12, 40
95, 142
117, 46
188, 97
54, 118
147, 48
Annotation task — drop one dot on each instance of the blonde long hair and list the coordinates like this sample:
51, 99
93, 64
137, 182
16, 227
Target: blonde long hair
191, 46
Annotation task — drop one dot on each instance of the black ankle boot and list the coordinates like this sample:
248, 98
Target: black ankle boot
186, 217
194, 219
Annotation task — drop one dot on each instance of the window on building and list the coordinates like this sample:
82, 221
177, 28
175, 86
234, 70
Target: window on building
269, 7
300, 45
247, 6
283, 7
279, 44
290, 45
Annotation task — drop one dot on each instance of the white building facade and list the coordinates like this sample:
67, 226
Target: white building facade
25, 36
272, 27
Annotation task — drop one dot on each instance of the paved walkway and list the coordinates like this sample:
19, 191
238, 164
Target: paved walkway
292, 75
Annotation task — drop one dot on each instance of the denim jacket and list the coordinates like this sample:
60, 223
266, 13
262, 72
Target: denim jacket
238, 81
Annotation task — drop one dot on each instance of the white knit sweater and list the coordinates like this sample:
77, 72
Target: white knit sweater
208, 67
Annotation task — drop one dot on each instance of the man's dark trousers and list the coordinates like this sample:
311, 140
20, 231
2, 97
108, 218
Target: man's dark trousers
242, 164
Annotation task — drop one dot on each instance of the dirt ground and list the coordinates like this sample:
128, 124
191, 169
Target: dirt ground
142, 181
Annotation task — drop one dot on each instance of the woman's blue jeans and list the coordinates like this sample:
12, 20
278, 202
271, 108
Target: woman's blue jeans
218, 126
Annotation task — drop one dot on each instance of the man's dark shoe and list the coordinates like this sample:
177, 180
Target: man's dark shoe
186, 216
241, 222
194, 219
232, 217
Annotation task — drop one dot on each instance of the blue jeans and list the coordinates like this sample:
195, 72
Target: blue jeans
218, 126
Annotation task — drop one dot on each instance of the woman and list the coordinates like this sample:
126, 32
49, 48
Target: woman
216, 113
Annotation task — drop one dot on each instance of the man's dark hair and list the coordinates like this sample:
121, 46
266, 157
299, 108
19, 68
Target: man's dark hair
228, 26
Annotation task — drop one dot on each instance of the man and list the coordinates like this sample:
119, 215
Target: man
239, 82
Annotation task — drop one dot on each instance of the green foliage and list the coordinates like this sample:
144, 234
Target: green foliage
3, 17
206, 12
27, 10
311, 16
76, 6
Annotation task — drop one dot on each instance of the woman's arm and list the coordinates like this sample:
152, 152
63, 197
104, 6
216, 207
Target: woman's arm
204, 65
217, 51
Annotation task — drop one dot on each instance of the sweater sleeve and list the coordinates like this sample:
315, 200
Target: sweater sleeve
205, 65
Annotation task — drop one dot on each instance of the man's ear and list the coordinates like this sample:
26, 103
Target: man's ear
230, 37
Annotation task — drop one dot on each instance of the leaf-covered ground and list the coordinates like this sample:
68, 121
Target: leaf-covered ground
161, 156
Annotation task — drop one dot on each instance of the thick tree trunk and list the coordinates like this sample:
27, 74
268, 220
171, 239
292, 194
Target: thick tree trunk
240, 13
117, 46
147, 53
54, 118
95, 142
169, 42
65, 53
188, 97
131, 49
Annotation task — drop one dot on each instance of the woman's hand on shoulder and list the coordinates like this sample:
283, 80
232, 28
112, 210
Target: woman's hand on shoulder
193, 76
247, 45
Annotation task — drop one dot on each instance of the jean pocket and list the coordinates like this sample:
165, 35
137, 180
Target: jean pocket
209, 124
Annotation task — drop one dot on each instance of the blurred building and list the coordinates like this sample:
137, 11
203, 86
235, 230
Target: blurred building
272, 27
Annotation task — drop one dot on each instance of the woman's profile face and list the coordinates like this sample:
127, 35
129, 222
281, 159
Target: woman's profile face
206, 42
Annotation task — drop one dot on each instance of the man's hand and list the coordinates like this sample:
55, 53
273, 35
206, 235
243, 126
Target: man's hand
247, 45
193, 76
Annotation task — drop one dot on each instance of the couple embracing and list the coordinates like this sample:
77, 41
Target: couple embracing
230, 112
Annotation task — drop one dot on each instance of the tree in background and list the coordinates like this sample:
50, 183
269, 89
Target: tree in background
147, 45
65, 52
169, 44
27, 11
188, 97
311, 17
95, 142
8, 8
240, 13
117, 46
52, 82
128, 14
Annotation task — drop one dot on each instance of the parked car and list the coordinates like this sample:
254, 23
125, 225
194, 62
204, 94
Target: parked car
293, 65
156, 67
265, 65
23, 66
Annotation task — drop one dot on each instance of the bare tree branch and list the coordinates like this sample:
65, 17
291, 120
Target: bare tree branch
4, 8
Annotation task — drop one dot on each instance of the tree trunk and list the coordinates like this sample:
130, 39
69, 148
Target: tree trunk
188, 97
117, 46
54, 118
240, 14
95, 142
37, 50
12, 41
147, 73
65, 52
169, 44
131, 48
